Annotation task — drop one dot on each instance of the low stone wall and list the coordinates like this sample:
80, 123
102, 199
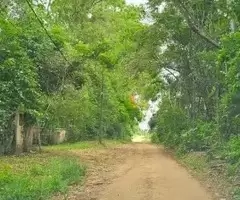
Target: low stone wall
33, 134
59, 136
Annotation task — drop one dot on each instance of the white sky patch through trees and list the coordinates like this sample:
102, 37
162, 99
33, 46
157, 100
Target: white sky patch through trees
136, 2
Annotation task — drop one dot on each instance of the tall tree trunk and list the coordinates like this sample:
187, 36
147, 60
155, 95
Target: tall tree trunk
100, 134
18, 135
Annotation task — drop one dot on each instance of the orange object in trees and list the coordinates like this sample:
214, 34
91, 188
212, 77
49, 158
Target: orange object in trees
133, 100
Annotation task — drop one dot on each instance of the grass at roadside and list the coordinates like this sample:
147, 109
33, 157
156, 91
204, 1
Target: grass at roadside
220, 176
141, 138
39, 176
216, 175
196, 162
84, 145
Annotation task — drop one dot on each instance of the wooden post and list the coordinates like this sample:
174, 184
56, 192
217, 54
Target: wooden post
18, 135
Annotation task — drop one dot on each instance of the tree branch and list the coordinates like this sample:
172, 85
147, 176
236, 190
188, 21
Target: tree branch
193, 26
168, 70
94, 3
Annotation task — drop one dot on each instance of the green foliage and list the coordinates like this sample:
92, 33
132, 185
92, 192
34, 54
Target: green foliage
171, 121
57, 78
196, 162
84, 145
236, 194
154, 138
19, 86
198, 138
40, 181
230, 109
231, 150
199, 55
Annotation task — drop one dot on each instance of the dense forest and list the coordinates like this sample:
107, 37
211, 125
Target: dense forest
74, 66
199, 54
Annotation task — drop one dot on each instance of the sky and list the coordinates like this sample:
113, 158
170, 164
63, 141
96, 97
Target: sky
136, 2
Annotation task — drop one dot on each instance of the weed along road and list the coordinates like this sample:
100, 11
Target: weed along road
141, 172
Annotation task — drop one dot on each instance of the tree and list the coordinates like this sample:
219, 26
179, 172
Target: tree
201, 86
57, 59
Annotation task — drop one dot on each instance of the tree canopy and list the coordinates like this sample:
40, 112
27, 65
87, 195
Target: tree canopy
71, 65
199, 60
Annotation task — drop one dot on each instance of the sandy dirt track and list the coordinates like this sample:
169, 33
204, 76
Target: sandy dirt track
136, 172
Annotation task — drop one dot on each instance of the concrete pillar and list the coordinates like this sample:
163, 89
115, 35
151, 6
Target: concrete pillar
28, 139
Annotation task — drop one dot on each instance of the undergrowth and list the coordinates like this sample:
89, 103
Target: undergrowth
220, 166
204, 145
37, 177
85, 145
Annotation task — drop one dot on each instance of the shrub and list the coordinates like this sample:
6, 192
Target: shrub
154, 138
232, 150
198, 138
171, 121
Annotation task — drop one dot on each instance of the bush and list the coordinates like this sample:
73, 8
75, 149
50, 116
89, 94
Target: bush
198, 138
232, 151
41, 181
154, 138
171, 122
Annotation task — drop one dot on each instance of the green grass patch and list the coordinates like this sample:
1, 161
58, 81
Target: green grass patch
154, 138
236, 195
85, 145
37, 177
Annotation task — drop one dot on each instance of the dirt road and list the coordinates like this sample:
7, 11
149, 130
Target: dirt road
153, 176
139, 172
